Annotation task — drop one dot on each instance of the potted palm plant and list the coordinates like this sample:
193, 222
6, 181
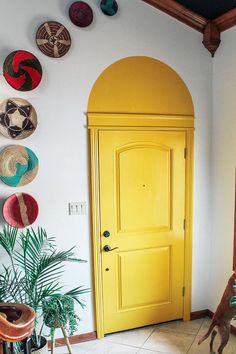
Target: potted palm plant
33, 274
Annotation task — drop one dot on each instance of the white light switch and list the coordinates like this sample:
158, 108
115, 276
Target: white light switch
78, 208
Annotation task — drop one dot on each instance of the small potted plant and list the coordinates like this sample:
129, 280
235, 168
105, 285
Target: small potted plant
33, 275
59, 312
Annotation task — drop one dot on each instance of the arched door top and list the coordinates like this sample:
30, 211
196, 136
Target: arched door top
140, 84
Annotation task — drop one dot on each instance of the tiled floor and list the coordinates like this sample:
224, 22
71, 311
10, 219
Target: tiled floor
173, 338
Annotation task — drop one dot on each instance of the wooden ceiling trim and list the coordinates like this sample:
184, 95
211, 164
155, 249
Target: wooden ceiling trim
226, 21
181, 13
211, 29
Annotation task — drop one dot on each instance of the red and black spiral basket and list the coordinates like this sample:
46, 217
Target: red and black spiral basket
22, 70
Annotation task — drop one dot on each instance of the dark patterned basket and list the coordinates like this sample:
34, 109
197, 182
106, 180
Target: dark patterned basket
53, 39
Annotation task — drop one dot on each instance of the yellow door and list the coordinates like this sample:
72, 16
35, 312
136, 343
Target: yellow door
142, 203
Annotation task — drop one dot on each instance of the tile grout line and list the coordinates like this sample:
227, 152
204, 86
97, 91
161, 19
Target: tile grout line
148, 338
195, 336
191, 344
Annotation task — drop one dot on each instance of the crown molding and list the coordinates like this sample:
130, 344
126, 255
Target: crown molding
211, 29
226, 20
180, 12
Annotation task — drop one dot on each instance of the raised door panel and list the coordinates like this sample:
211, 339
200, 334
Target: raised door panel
138, 271
143, 188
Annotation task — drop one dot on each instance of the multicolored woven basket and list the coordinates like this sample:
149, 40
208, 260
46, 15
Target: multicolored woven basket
20, 210
18, 118
22, 70
18, 165
53, 39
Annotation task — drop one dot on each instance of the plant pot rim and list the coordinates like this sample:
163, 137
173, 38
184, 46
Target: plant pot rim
43, 343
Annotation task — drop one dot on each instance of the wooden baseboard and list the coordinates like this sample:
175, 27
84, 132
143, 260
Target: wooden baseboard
75, 339
207, 313
210, 313
196, 315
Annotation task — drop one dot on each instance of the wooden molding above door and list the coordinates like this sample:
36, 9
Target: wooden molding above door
211, 29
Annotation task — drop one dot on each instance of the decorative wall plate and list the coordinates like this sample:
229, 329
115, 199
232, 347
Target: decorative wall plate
81, 14
53, 39
20, 210
109, 7
22, 70
18, 165
18, 118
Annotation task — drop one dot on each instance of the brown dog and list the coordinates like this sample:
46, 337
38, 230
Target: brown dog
222, 317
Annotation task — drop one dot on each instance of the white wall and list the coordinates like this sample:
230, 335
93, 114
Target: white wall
223, 164
61, 101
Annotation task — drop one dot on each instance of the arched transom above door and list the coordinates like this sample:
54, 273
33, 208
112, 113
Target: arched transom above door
140, 84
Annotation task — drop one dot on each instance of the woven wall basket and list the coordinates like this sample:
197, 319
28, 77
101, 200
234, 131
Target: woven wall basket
53, 39
81, 14
20, 210
18, 118
22, 70
18, 165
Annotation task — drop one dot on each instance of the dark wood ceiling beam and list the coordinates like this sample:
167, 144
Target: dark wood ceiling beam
181, 13
226, 21
211, 29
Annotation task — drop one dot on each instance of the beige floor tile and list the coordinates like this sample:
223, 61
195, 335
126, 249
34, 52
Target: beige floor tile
99, 346
189, 327
167, 342
78, 348
134, 337
105, 347
204, 347
204, 327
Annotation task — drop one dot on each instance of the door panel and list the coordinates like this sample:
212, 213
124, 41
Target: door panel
139, 262
142, 203
133, 164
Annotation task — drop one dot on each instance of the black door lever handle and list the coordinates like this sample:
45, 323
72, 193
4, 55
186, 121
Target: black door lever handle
107, 248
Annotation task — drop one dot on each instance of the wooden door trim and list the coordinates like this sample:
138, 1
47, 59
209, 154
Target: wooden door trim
95, 209
101, 120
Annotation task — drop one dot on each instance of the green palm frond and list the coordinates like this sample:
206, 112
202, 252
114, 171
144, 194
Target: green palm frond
33, 245
11, 285
44, 292
35, 269
76, 293
8, 239
5, 284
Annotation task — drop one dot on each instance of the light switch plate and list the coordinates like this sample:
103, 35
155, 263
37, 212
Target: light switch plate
77, 208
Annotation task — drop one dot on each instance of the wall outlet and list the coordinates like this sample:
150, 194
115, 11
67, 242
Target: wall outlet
77, 208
